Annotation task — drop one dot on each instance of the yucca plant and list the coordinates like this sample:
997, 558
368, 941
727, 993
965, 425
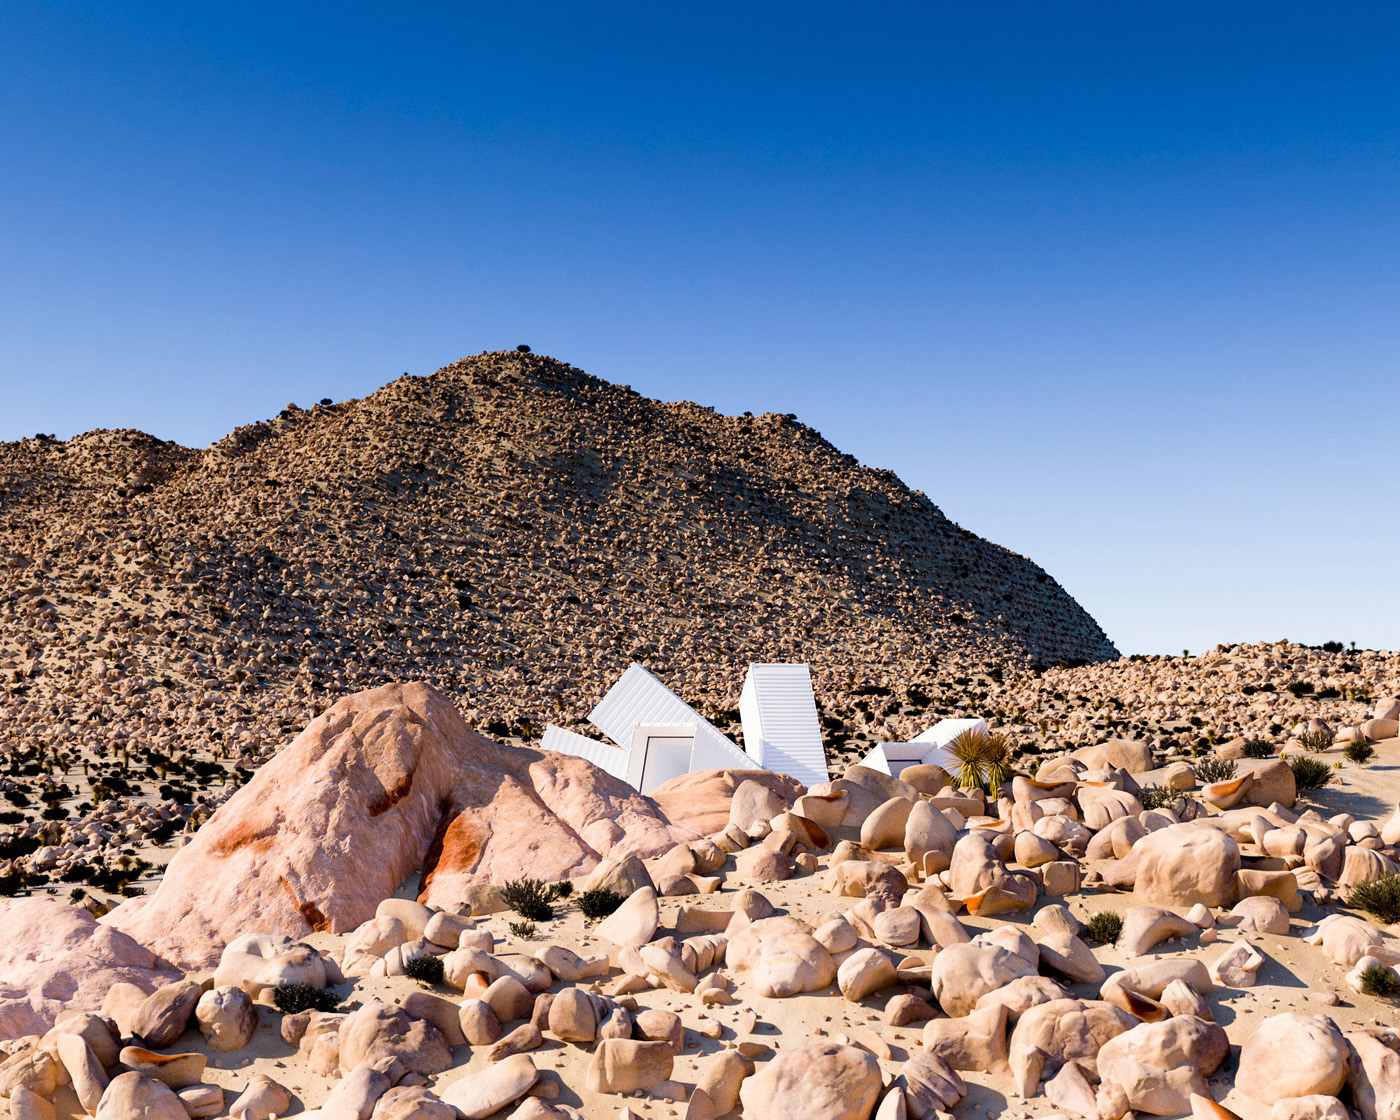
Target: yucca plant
984, 760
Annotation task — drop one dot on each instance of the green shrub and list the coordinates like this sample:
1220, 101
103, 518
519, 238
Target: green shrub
1379, 980
1155, 797
529, 898
426, 968
984, 760
1315, 740
1210, 770
1310, 773
1256, 748
599, 903
523, 930
1360, 753
1103, 928
1380, 897
562, 889
291, 998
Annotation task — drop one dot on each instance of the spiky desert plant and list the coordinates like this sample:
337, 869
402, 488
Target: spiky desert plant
1379, 980
1380, 897
530, 898
1360, 753
1103, 928
1315, 740
522, 930
425, 968
1210, 770
984, 760
599, 903
1310, 773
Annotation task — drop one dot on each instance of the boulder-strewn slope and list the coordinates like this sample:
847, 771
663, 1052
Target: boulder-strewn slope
387, 784
510, 529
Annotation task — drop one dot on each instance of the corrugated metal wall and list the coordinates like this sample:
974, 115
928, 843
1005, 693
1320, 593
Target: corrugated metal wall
605, 756
781, 728
639, 698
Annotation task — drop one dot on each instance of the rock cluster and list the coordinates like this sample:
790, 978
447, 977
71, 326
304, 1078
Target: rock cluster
908, 878
387, 784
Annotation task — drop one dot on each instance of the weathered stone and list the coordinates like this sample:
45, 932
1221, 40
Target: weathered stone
821, 1081
629, 1065
1292, 1055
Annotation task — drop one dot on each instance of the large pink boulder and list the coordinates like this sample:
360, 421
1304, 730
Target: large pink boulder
700, 800
386, 784
56, 958
1183, 864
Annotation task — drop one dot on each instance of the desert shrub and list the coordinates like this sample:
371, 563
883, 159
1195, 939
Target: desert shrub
425, 968
1379, 980
984, 760
523, 930
1299, 689
562, 889
1310, 773
1360, 753
1103, 928
1315, 740
291, 998
1256, 748
529, 898
599, 902
1155, 797
1214, 770
1380, 897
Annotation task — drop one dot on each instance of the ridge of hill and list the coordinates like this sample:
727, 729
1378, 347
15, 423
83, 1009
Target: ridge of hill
508, 529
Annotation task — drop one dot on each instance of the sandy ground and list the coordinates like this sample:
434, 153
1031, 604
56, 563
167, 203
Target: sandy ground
1294, 972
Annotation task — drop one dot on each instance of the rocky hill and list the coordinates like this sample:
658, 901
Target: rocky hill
510, 530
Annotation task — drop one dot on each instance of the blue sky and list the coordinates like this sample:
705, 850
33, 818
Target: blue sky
1117, 286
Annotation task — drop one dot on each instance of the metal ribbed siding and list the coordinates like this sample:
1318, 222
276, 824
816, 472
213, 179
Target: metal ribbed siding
781, 729
639, 698
603, 755
717, 752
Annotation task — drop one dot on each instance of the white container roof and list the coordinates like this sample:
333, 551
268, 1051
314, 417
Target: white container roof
638, 698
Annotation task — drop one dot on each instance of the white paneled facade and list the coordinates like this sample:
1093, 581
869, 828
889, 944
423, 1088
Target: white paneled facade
781, 728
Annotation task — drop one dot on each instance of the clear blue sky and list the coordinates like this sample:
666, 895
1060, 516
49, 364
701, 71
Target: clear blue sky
1118, 285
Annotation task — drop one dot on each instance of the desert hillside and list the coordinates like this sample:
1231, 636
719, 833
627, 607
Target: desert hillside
510, 530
